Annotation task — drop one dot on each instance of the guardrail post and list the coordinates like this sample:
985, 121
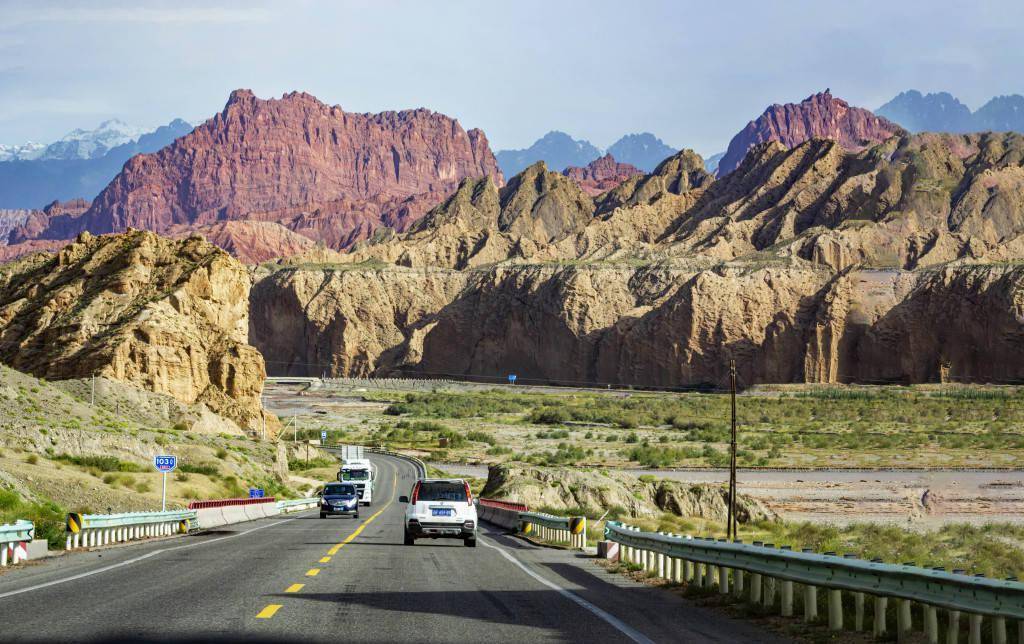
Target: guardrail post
858, 611
755, 588
737, 581
769, 594
723, 580
677, 570
661, 566
688, 573
835, 609
903, 620
787, 598
999, 630
880, 606
810, 603
953, 628
710, 573
974, 635
931, 624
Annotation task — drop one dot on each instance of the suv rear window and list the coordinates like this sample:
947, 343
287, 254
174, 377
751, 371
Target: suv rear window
443, 491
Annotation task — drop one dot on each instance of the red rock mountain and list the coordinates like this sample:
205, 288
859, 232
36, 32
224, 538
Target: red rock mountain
601, 175
818, 116
317, 170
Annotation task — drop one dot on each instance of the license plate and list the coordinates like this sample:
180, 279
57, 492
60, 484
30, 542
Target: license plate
441, 512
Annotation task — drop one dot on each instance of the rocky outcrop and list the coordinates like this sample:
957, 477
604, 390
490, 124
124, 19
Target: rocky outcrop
329, 175
601, 175
251, 242
168, 316
597, 491
817, 116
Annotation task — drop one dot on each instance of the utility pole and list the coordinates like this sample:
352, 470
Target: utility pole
730, 529
93, 389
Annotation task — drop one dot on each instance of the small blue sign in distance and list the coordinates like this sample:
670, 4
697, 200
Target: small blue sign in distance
323, 436
165, 462
511, 377
256, 493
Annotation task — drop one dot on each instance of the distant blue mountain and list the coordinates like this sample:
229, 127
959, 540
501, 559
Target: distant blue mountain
942, 112
556, 149
559, 151
35, 183
643, 150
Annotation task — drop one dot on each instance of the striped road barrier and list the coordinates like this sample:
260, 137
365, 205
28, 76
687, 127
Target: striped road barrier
500, 513
14, 538
89, 530
762, 574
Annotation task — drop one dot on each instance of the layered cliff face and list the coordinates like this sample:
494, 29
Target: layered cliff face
326, 174
647, 326
168, 316
601, 175
893, 264
817, 116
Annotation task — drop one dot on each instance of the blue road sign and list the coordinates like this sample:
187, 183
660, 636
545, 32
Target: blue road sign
165, 462
512, 378
256, 493
323, 436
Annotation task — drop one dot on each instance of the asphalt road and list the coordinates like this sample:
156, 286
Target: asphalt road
300, 578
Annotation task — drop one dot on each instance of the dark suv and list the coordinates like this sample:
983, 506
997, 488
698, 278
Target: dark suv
339, 498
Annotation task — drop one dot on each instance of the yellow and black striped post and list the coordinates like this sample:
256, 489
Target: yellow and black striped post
578, 528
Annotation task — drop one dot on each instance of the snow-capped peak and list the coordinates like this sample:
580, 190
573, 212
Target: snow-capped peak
90, 144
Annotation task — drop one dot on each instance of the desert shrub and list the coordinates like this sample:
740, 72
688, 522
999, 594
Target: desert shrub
100, 463
206, 469
481, 437
549, 416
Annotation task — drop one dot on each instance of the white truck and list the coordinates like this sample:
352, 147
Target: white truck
360, 472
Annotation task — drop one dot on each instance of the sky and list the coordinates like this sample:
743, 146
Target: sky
693, 73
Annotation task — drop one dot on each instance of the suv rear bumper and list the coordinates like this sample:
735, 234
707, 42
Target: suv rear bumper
439, 530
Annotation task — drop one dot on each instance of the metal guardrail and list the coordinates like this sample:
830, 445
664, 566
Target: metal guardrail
13, 537
87, 530
699, 560
570, 530
20, 530
294, 505
421, 467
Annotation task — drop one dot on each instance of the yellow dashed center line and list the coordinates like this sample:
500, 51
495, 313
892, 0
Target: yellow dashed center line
268, 612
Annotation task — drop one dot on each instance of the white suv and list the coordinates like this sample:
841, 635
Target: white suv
440, 509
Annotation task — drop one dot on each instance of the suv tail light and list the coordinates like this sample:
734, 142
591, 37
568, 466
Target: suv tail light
469, 495
415, 493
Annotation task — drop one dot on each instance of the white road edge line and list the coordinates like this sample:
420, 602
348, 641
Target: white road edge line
127, 562
621, 626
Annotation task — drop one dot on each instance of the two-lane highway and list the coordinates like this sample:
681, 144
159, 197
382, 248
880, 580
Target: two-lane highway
303, 578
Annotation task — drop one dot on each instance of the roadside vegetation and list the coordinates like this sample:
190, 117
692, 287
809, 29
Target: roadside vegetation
791, 426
